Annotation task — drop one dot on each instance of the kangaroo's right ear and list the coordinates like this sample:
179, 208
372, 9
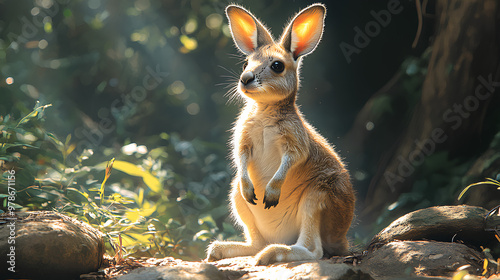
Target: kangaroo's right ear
248, 32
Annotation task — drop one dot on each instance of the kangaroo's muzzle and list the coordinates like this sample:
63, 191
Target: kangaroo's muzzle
247, 77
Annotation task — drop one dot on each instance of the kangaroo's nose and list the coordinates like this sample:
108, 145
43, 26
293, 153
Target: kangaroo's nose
247, 77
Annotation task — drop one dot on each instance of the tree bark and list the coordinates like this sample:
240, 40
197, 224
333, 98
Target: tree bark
456, 94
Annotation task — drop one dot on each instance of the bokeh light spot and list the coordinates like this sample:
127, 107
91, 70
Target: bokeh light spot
43, 44
129, 52
142, 5
193, 109
214, 21
174, 31
189, 43
35, 11
47, 27
226, 30
191, 26
177, 87
370, 126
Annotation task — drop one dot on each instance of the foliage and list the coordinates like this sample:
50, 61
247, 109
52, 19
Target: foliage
488, 181
139, 196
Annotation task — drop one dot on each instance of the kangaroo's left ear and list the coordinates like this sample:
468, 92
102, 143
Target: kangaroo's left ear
304, 32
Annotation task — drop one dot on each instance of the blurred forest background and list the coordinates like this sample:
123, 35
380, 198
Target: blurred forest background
404, 89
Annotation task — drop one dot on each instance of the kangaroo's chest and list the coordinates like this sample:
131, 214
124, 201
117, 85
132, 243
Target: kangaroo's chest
266, 152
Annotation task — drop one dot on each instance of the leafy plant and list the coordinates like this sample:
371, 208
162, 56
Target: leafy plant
158, 202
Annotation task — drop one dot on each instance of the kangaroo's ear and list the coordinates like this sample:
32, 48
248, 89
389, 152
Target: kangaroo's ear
304, 32
248, 32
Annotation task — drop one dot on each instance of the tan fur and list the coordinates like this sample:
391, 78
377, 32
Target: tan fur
292, 194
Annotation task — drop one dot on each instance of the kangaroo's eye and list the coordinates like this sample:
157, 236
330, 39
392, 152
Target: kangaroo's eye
245, 64
278, 66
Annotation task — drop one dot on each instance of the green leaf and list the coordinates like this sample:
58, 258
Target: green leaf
109, 167
77, 196
68, 139
54, 139
7, 145
140, 197
202, 235
489, 182
33, 114
207, 220
15, 205
151, 181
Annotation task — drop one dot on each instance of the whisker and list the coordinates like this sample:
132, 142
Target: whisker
226, 85
231, 84
231, 72
232, 77
236, 55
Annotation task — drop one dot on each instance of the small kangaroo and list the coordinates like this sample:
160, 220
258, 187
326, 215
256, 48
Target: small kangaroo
307, 199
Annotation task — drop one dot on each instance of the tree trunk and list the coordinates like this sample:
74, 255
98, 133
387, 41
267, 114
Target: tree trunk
461, 77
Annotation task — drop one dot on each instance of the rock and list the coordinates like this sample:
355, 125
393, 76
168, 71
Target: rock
440, 223
322, 269
49, 245
243, 268
186, 270
419, 258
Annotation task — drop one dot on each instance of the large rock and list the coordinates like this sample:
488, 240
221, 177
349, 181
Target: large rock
440, 223
399, 259
49, 245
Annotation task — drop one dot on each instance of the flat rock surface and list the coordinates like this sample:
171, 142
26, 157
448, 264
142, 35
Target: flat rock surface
395, 260
49, 244
420, 258
243, 268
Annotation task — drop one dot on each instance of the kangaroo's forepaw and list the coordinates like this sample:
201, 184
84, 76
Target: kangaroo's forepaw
248, 192
250, 197
271, 198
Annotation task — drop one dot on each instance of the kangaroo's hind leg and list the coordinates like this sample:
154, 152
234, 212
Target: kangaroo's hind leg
337, 219
308, 246
254, 241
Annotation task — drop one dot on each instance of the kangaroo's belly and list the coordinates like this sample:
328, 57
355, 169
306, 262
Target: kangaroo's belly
279, 224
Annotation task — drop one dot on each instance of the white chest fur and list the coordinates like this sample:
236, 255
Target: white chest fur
277, 224
266, 154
